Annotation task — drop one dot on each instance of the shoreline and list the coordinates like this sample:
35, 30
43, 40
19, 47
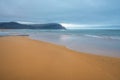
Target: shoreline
89, 51
92, 44
28, 59
71, 49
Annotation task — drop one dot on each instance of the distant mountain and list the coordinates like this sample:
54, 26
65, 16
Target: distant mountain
15, 25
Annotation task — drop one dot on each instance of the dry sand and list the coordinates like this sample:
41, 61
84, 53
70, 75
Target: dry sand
24, 59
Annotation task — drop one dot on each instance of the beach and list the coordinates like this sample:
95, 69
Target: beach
22, 58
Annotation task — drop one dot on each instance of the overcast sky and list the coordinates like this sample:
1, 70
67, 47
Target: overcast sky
62, 11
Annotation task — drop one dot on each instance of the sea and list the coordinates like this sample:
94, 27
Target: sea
105, 42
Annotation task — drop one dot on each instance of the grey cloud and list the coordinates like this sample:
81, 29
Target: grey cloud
77, 11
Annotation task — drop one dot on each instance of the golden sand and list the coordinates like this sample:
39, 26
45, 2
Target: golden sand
24, 59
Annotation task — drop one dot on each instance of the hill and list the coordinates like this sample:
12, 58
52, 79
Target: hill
15, 25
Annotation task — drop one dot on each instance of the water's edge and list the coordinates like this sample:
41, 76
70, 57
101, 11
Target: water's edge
105, 42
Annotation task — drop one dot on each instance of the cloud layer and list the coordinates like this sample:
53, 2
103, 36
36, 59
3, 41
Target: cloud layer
69, 11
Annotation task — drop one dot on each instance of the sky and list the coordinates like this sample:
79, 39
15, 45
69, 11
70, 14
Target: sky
61, 11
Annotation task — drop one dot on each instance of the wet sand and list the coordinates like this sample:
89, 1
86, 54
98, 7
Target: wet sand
24, 59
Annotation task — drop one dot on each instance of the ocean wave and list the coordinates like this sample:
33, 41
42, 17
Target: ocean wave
12, 34
103, 37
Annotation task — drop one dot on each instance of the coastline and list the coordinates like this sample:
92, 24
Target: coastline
88, 41
27, 59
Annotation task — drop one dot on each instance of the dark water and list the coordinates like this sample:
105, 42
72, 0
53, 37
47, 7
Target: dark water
94, 41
